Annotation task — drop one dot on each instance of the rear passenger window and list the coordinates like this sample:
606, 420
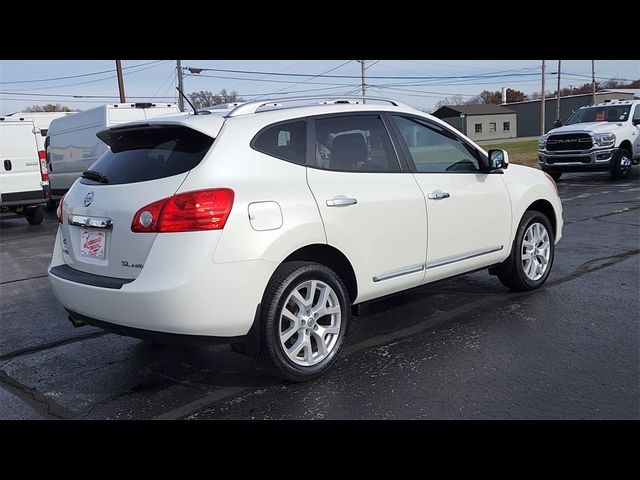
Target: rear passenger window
287, 141
358, 143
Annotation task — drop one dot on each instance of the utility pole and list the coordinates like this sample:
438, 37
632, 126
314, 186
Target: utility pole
593, 81
120, 81
544, 100
558, 93
180, 85
362, 86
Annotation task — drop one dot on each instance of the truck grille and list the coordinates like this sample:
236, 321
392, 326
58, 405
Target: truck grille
569, 141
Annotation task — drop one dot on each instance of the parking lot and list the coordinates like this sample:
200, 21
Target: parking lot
464, 348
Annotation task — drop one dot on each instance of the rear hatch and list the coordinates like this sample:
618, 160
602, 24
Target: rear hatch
145, 163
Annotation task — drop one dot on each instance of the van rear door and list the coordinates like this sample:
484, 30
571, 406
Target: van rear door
117, 115
19, 164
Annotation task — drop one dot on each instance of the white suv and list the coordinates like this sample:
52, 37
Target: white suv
261, 226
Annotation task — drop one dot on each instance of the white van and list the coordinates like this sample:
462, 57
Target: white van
41, 120
24, 181
72, 146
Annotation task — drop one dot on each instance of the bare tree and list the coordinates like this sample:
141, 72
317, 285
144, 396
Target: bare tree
457, 100
205, 98
49, 107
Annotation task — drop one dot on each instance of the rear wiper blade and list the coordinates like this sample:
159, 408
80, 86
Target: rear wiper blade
95, 176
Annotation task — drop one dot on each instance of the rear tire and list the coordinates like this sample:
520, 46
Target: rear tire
534, 240
34, 215
51, 205
622, 164
304, 321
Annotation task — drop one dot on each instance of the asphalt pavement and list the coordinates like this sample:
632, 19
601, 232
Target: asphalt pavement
463, 348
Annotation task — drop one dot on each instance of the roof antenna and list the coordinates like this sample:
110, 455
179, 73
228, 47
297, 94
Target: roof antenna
195, 112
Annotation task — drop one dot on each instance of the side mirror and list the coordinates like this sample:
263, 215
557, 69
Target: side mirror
498, 159
557, 123
636, 121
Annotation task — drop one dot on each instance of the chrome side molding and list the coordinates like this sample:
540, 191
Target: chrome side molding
398, 272
464, 256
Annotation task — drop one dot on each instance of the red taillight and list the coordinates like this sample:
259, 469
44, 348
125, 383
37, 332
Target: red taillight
186, 212
44, 173
59, 210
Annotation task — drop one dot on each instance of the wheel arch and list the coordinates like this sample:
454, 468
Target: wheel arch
545, 207
626, 145
331, 257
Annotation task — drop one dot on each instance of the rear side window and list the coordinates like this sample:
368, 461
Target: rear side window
358, 143
149, 153
287, 141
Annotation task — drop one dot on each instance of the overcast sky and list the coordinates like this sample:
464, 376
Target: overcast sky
145, 81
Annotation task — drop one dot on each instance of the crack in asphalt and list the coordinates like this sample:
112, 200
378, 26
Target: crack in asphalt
24, 279
593, 265
616, 212
190, 408
44, 406
48, 345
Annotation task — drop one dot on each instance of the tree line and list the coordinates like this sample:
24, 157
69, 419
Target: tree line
495, 97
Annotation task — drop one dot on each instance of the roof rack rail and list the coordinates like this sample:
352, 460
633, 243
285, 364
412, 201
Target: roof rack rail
252, 107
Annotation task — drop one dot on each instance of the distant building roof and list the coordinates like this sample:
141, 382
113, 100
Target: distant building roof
475, 109
633, 91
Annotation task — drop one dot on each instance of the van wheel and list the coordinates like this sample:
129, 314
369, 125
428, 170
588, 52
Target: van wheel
622, 164
305, 316
34, 215
532, 254
51, 205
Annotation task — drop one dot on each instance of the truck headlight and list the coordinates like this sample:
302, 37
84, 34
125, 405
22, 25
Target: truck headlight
542, 142
604, 139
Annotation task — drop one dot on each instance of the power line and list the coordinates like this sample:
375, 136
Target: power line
99, 79
378, 77
78, 76
268, 81
315, 76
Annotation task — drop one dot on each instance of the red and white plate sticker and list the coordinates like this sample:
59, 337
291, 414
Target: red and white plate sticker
92, 243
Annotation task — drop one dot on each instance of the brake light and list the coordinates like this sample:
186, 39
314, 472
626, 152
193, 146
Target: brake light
44, 173
186, 212
59, 209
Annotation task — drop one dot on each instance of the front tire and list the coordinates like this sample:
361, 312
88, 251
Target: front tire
34, 215
532, 254
304, 321
621, 165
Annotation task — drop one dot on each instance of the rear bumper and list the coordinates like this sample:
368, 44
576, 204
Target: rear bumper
18, 199
577, 161
177, 292
153, 336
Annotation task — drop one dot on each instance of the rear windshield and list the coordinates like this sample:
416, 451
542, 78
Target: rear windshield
147, 153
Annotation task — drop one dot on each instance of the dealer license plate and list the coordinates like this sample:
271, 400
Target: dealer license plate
92, 243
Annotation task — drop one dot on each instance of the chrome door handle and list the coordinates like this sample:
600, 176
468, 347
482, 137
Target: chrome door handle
341, 201
438, 195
